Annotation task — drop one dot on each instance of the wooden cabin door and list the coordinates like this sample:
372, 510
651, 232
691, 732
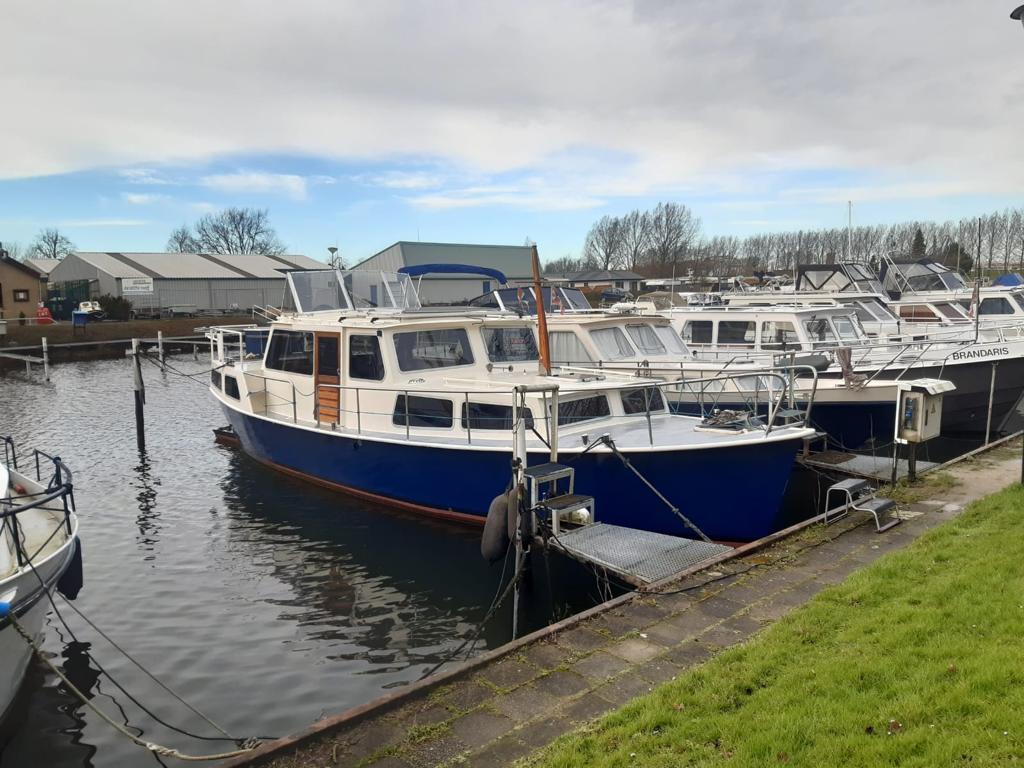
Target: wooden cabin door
327, 371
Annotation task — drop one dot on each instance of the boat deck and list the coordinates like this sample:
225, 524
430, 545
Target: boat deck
868, 467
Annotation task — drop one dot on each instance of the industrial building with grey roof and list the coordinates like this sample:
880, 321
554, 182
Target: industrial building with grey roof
513, 261
188, 282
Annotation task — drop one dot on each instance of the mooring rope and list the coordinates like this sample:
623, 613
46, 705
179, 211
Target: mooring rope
152, 747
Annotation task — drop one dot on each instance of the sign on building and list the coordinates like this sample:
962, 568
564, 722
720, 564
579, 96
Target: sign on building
136, 285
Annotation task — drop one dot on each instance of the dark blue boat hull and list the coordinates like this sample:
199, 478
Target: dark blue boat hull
733, 493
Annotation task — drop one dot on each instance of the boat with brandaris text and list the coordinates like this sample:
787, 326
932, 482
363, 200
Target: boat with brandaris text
356, 387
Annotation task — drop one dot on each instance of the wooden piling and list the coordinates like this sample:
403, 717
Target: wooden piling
139, 388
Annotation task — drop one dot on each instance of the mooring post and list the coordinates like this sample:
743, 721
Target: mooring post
160, 349
195, 351
139, 388
46, 361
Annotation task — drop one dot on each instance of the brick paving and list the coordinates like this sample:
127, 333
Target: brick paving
501, 711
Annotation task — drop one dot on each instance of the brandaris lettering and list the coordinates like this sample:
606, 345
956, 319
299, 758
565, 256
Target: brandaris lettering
978, 354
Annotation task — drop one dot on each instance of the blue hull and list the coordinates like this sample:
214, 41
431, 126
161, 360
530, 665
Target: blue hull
732, 493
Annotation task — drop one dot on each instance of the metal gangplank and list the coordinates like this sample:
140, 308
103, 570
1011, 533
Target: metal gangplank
635, 556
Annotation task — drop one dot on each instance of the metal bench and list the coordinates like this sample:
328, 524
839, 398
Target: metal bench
860, 496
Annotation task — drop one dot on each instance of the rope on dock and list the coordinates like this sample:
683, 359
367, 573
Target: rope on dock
155, 748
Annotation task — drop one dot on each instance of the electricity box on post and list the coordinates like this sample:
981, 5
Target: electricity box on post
919, 409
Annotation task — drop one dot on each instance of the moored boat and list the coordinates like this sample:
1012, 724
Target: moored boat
362, 390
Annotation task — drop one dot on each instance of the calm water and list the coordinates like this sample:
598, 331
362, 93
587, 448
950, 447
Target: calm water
266, 602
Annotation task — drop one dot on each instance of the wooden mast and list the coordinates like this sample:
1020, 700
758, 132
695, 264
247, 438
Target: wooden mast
542, 321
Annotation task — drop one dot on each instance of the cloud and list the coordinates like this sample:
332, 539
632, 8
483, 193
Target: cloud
142, 198
401, 180
252, 182
506, 197
70, 223
688, 92
143, 176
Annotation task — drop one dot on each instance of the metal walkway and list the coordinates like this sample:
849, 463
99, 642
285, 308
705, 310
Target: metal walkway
639, 557
856, 465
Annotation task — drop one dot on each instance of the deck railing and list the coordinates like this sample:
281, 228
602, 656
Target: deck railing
769, 396
60, 488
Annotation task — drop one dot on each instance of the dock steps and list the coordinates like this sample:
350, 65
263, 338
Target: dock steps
859, 496
638, 557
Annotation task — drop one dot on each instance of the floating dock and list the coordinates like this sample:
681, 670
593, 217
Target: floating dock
868, 467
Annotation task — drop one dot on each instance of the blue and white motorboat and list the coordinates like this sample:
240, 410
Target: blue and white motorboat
38, 548
362, 390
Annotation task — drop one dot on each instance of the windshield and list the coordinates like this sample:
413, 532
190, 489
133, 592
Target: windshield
518, 300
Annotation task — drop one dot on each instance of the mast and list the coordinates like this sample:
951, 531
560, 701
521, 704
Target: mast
542, 320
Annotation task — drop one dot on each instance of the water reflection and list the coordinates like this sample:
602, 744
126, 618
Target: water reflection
148, 517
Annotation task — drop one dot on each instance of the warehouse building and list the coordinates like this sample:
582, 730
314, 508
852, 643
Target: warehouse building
179, 283
513, 261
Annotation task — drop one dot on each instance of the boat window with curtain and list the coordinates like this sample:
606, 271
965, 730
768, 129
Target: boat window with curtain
612, 344
567, 349
645, 339
673, 343
435, 348
364, 358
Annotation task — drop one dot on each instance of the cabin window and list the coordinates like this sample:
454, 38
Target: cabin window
698, 331
847, 328
612, 343
419, 411
510, 345
215, 379
582, 409
997, 306
491, 416
20, 294
671, 340
863, 312
364, 358
779, 334
567, 348
575, 298
1019, 298
487, 301
291, 352
642, 400
952, 310
918, 312
231, 387
819, 331
518, 300
736, 332
645, 339
437, 348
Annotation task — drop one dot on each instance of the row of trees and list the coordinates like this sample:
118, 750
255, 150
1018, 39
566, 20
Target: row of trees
668, 237
48, 244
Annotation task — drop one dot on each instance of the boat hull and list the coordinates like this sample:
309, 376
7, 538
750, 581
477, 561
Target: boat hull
731, 492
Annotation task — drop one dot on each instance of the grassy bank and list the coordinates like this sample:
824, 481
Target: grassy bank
914, 661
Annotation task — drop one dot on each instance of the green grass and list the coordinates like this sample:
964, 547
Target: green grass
914, 661
927, 487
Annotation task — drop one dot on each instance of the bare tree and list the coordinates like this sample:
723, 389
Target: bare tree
182, 241
674, 228
14, 251
50, 244
564, 265
636, 238
603, 245
233, 230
